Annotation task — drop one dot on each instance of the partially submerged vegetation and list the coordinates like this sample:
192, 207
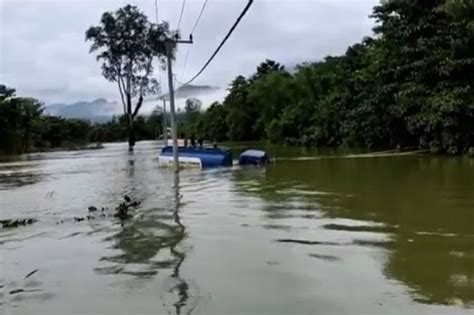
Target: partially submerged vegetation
13, 223
123, 212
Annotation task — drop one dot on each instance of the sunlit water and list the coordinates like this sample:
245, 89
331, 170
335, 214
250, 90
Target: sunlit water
386, 235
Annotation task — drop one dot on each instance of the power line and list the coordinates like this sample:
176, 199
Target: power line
181, 13
185, 62
223, 42
203, 7
199, 16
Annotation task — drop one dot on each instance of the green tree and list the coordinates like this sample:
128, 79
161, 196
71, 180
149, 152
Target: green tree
267, 67
271, 94
154, 124
427, 57
215, 122
242, 115
19, 117
6, 92
126, 43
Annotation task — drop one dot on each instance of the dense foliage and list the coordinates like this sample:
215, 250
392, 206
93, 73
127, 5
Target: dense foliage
411, 85
24, 127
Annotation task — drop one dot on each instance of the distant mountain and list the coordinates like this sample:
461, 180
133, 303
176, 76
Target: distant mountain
101, 110
97, 110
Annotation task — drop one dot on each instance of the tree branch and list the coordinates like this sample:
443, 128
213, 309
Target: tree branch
121, 94
138, 106
140, 98
121, 87
147, 73
128, 91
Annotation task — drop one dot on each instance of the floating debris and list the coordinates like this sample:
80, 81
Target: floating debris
13, 223
127, 198
92, 209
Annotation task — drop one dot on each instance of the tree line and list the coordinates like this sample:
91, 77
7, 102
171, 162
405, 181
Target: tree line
410, 85
25, 128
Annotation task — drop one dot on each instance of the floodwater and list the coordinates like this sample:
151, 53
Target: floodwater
336, 235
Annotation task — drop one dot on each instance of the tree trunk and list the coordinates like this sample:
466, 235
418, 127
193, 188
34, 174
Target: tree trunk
131, 134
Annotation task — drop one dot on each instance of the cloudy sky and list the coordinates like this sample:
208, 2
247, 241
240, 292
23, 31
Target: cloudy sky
43, 53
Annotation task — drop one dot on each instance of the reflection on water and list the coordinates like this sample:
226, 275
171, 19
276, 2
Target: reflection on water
150, 243
298, 237
181, 287
423, 205
438, 268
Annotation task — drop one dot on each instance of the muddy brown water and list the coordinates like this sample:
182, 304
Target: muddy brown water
312, 235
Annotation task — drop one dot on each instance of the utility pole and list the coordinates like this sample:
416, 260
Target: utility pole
170, 43
165, 124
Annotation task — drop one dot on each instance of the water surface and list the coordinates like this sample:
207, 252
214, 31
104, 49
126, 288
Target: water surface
314, 235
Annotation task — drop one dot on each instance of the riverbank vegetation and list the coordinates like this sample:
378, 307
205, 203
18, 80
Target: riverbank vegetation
411, 85
24, 128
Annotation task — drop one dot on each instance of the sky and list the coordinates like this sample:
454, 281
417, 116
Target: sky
43, 53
